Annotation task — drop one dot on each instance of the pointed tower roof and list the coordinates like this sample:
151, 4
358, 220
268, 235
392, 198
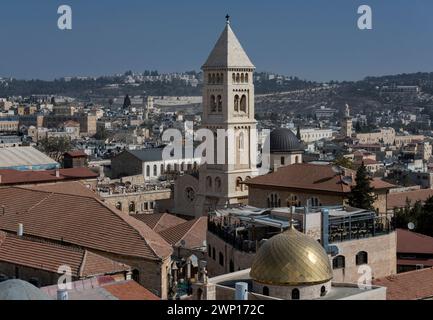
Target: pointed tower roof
228, 52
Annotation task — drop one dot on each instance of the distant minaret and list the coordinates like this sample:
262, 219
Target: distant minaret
346, 123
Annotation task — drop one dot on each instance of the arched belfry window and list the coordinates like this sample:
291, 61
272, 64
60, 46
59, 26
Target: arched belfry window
238, 78
233, 77
213, 78
236, 102
246, 77
220, 103
242, 78
218, 78
212, 103
295, 294
244, 103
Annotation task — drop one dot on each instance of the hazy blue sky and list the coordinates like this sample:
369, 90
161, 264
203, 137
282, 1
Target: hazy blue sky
312, 39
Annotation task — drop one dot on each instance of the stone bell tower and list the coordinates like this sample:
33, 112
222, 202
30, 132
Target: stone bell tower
228, 103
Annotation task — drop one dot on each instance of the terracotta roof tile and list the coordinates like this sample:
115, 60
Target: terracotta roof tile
193, 232
410, 285
412, 242
49, 257
72, 188
15, 177
159, 221
129, 290
398, 199
309, 177
83, 221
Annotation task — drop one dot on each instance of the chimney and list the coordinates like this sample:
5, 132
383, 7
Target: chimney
62, 294
57, 173
20, 231
241, 291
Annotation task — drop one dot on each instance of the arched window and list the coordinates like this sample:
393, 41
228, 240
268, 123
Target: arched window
233, 77
274, 200
213, 78
246, 77
361, 258
119, 205
231, 266
242, 78
297, 159
148, 171
208, 183
155, 170
218, 78
322, 291
135, 275
213, 253
222, 78
237, 78
182, 166
162, 169
292, 200
339, 262
176, 167
246, 179
283, 161
236, 103
168, 168
132, 207
244, 103
220, 103
221, 259
238, 184
241, 141
295, 294
265, 291
315, 202
195, 165
209, 78
218, 184
212, 103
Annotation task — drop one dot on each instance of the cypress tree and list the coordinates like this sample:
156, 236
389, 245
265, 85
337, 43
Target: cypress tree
361, 195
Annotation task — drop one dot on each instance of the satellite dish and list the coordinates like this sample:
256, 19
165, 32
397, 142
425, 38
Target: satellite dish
337, 169
411, 226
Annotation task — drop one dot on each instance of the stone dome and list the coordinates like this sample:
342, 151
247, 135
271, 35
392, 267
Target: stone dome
291, 258
16, 289
284, 140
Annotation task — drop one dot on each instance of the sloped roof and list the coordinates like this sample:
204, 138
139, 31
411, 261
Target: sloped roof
23, 156
193, 232
49, 257
412, 242
78, 220
159, 221
309, 176
228, 52
398, 199
412, 285
70, 187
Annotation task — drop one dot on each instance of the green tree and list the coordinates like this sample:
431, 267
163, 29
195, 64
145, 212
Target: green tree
424, 220
55, 147
343, 162
361, 195
126, 102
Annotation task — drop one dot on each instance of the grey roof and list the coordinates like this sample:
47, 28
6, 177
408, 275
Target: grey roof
153, 154
20, 290
23, 156
284, 140
228, 52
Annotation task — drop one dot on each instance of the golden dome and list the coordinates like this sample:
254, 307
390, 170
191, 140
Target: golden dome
291, 258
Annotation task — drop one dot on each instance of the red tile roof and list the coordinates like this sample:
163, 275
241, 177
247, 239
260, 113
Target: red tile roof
78, 220
398, 199
308, 176
49, 257
129, 290
72, 188
193, 232
159, 221
412, 285
76, 153
16, 177
412, 242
